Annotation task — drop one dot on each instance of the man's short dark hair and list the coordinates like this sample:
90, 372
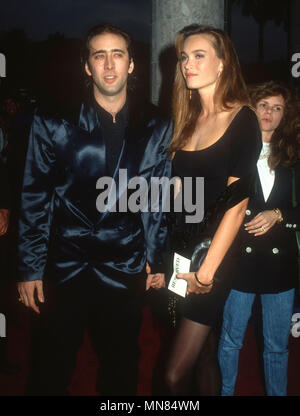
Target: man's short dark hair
101, 29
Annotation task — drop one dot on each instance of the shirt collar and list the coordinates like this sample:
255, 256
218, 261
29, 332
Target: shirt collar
106, 117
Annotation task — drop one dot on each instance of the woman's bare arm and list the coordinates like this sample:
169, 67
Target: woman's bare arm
221, 242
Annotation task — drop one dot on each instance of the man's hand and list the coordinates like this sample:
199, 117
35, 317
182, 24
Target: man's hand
27, 292
156, 281
4, 220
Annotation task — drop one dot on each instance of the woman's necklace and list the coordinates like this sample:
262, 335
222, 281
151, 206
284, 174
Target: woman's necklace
265, 151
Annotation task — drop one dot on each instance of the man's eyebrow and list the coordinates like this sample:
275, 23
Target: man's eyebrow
105, 51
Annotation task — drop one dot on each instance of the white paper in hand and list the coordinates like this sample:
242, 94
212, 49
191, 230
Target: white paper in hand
180, 265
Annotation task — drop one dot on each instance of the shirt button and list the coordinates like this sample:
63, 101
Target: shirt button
248, 212
275, 250
248, 249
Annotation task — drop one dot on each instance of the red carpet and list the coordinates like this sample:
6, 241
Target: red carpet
249, 382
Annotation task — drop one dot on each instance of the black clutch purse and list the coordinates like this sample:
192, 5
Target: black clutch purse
197, 258
199, 254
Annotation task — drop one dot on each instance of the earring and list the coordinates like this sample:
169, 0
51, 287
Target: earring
190, 94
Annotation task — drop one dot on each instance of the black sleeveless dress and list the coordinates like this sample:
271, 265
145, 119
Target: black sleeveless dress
234, 154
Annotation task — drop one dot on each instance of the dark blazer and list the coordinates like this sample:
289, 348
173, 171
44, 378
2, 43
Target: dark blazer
268, 263
60, 226
5, 192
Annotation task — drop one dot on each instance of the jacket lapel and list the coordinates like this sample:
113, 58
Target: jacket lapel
259, 196
273, 190
259, 192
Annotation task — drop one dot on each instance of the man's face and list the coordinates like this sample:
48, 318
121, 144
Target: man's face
108, 64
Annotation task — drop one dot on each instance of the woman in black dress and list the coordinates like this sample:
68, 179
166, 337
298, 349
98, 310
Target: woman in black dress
216, 136
267, 247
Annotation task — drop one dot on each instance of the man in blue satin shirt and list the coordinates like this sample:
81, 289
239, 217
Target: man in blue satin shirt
78, 266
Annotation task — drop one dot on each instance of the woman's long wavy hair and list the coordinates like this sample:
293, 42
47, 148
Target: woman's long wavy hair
230, 89
285, 141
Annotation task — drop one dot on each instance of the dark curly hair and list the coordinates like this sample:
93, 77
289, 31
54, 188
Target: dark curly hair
285, 141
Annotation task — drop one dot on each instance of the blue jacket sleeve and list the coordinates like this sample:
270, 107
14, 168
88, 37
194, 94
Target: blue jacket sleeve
156, 164
36, 198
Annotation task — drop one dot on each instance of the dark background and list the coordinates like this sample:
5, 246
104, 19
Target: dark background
41, 42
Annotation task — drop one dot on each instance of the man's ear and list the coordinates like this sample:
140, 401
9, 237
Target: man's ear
131, 66
87, 69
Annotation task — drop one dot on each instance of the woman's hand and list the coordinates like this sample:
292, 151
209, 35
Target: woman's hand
156, 281
193, 286
261, 223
